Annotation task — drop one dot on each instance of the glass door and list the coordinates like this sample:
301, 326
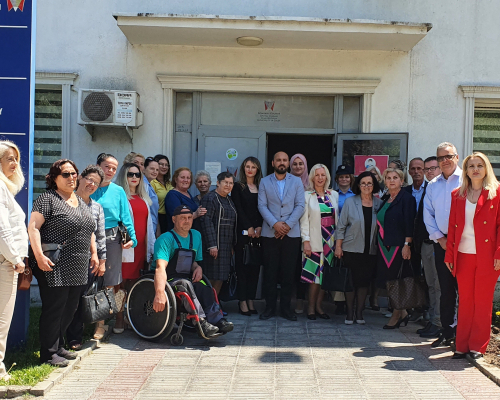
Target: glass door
362, 150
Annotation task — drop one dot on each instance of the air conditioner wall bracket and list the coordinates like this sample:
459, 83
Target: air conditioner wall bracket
91, 130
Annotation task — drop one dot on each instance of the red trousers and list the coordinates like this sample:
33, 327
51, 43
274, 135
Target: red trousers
476, 286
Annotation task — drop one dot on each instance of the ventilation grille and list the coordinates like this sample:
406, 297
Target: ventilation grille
97, 107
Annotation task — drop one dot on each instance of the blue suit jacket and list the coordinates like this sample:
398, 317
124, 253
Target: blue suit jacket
273, 209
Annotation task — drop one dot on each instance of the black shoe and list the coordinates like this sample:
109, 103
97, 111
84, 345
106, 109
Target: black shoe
323, 316
312, 317
441, 341
246, 313
458, 356
268, 313
475, 356
422, 330
207, 328
224, 326
340, 308
433, 332
68, 355
289, 315
253, 311
58, 361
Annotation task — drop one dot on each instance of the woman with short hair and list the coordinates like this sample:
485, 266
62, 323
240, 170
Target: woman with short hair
60, 217
356, 241
180, 196
395, 219
219, 230
317, 229
245, 195
202, 181
13, 240
473, 252
162, 187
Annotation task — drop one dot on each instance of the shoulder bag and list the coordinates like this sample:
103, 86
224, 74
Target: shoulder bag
337, 278
124, 233
24, 279
406, 293
98, 303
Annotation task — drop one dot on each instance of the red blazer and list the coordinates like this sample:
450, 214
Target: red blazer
486, 228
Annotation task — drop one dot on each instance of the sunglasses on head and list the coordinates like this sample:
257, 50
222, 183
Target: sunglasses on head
66, 175
132, 174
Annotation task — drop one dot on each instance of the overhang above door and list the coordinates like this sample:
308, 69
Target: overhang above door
276, 32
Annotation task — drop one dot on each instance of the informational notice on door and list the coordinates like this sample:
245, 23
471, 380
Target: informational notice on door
214, 169
362, 163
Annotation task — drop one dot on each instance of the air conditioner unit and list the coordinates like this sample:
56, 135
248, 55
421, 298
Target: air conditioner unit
111, 108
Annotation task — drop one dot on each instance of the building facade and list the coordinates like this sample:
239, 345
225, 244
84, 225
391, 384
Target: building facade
331, 79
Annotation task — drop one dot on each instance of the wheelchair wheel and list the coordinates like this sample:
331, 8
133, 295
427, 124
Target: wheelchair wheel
147, 323
176, 339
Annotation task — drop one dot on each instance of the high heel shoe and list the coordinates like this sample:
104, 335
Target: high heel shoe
405, 320
247, 313
398, 324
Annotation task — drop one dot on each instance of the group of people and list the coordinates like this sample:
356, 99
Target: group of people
444, 225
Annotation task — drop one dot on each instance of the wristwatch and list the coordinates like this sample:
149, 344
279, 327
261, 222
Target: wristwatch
408, 243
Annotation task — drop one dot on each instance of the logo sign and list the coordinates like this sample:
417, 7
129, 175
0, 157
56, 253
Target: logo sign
15, 5
232, 154
269, 105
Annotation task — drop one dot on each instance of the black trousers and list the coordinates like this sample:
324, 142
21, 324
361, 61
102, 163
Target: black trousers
280, 261
301, 286
448, 285
75, 328
248, 275
163, 220
59, 305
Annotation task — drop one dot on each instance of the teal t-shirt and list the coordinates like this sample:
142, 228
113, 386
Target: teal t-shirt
165, 245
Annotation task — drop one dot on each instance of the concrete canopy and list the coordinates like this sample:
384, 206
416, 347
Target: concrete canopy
276, 32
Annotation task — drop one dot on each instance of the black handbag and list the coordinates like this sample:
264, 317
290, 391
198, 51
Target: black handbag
252, 253
98, 303
124, 233
228, 289
406, 293
53, 250
337, 278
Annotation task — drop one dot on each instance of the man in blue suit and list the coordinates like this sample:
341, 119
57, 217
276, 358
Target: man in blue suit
281, 204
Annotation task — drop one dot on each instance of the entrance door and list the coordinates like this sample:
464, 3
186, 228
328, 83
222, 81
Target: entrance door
224, 149
318, 149
392, 145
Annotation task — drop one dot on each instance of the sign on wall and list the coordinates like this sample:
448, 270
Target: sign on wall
362, 163
17, 83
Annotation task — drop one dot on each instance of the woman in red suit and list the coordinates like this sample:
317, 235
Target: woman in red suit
473, 252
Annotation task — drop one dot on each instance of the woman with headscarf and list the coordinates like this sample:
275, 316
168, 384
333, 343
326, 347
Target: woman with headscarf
298, 167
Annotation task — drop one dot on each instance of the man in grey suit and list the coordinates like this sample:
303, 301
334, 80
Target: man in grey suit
281, 204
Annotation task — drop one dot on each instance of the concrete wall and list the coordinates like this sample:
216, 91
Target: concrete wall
418, 91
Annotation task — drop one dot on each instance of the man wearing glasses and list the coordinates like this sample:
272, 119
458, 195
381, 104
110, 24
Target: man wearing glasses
437, 205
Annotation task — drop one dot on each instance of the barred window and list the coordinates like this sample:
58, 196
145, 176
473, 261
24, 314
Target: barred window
48, 135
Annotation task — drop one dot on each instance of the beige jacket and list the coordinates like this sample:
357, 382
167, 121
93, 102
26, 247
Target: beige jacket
310, 222
13, 233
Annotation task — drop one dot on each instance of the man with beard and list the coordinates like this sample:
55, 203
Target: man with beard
281, 204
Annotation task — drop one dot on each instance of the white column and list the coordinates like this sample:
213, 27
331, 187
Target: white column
168, 122
66, 121
367, 112
469, 126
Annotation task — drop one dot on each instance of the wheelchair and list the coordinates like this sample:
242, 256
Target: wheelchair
153, 326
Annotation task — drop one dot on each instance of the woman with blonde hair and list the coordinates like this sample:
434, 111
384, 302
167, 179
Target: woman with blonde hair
13, 240
473, 252
134, 260
317, 229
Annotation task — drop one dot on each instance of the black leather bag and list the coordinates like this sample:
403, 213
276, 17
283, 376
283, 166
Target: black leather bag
252, 253
406, 293
98, 302
337, 278
52, 251
124, 233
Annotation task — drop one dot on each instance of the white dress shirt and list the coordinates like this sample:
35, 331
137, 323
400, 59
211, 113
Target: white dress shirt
437, 203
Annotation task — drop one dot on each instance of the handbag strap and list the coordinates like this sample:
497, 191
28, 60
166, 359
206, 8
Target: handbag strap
400, 273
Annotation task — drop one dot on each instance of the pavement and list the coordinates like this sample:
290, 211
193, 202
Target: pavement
278, 359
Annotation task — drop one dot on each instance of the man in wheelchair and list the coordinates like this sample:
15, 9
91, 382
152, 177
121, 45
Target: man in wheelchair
177, 253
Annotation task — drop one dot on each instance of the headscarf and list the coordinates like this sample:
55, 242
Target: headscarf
305, 175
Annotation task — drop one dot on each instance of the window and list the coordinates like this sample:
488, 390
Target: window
486, 138
48, 135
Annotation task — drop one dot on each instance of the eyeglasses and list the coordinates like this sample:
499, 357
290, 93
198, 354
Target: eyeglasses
368, 185
432, 169
132, 174
66, 175
446, 157
91, 182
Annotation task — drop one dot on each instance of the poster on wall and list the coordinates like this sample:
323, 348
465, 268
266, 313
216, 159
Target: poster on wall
362, 163
213, 168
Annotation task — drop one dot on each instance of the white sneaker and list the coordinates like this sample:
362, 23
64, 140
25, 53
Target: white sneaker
388, 315
348, 322
360, 321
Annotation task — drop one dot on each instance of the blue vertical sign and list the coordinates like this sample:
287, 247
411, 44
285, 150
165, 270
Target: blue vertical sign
17, 108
